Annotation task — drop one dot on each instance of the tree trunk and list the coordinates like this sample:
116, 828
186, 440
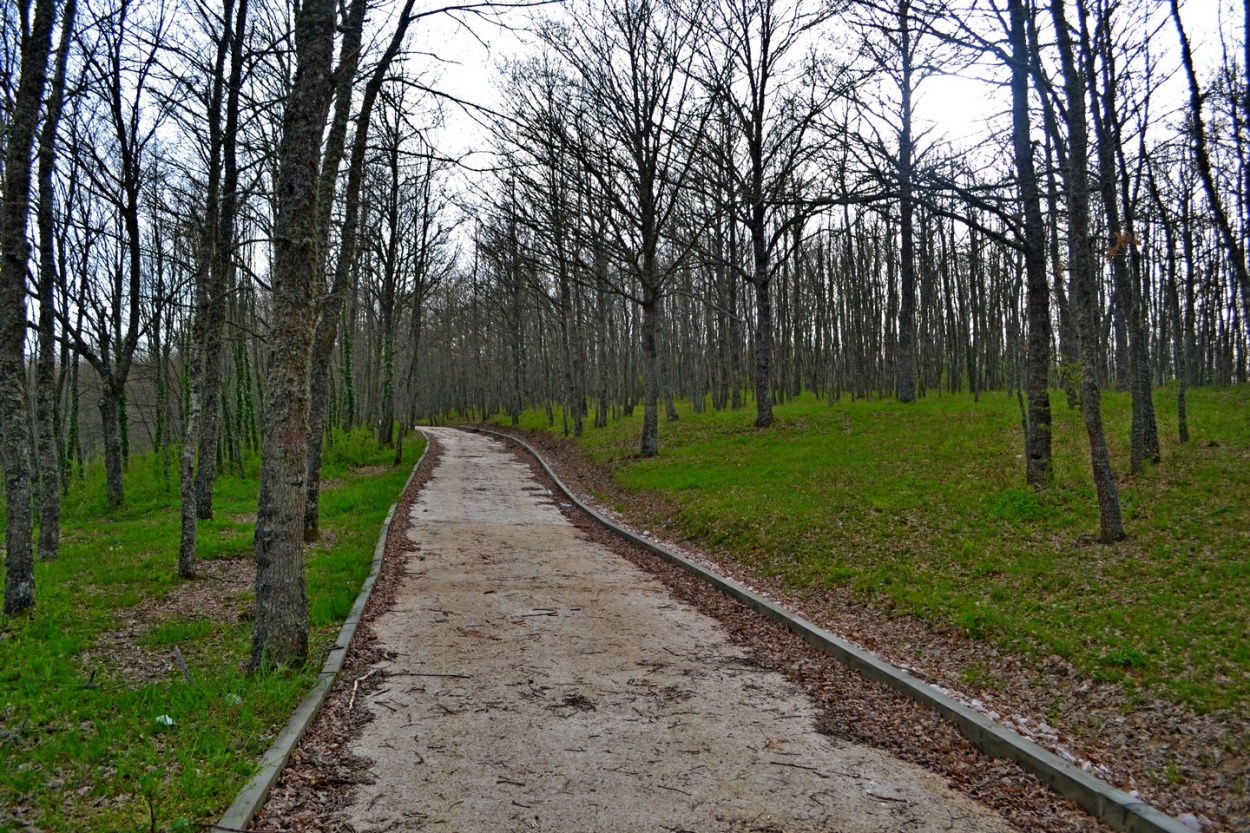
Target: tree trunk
650, 446
186, 472
207, 361
223, 262
19, 588
110, 404
1037, 378
1122, 243
45, 371
1085, 296
333, 303
905, 355
280, 626
763, 351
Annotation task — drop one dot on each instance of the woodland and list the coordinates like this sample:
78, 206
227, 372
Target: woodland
236, 232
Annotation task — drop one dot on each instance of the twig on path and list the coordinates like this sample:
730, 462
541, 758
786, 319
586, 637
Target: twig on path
783, 763
356, 685
674, 789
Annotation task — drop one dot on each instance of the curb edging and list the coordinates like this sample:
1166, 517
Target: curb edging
256, 790
1105, 802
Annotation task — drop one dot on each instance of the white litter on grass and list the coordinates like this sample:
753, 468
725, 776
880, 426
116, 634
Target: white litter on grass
165, 720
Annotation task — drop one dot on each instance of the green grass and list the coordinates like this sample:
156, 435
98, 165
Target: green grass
77, 757
923, 509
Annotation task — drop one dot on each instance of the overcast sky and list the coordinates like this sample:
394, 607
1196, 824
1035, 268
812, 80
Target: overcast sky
469, 60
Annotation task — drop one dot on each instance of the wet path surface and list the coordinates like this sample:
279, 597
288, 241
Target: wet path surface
541, 682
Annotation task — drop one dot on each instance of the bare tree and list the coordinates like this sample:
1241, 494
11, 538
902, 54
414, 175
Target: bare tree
641, 135
45, 370
1038, 470
216, 254
773, 100
331, 308
1081, 262
1233, 245
19, 587
116, 133
280, 627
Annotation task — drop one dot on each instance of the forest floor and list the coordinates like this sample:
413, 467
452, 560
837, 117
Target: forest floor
904, 529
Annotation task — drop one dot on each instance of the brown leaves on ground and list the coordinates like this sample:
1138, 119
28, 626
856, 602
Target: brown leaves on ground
214, 594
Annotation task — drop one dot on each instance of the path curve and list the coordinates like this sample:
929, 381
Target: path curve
540, 682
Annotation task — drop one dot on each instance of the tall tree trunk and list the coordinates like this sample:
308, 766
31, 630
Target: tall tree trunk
763, 351
280, 627
1085, 295
1122, 243
207, 361
1037, 377
905, 355
331, 307
601, 339
221, 266
19, 588
186, 472
45, 371
1172, 298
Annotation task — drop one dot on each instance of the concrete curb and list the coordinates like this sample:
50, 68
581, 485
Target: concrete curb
255, 791
1110, 805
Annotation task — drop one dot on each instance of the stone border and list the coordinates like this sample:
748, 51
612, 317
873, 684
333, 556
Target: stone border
1105, 802
256, 790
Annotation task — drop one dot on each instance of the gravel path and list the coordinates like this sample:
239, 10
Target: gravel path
540, 682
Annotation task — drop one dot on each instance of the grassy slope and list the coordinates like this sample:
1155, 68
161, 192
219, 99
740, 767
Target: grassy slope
93, 758
923, 507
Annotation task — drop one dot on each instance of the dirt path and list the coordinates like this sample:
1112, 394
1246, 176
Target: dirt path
541, 682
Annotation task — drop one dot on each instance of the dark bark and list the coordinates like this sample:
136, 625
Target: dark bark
15, 440
222, 220
45, 370
601, 321
763, 353
110, 405
280, 626
1038, 472
1121, 249
186, 472
1085, 297
1180, 361
207, 331
905, 355
331, 307
650, 443
386, 293
1233, 247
